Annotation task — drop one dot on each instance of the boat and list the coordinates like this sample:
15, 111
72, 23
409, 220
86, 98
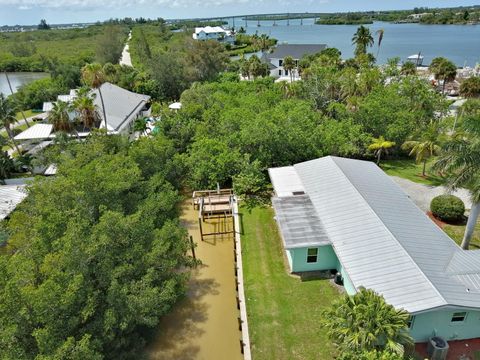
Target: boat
416, 59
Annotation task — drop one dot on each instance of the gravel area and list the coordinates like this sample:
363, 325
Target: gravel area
422, 195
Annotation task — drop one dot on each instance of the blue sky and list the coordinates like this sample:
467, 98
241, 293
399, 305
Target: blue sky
66, 11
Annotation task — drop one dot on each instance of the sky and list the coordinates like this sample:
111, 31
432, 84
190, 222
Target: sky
26, 12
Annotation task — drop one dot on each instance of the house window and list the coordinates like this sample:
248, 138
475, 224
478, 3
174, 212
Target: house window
280, 62
459, 317
312, 255
280, 72
286, 72
411, 321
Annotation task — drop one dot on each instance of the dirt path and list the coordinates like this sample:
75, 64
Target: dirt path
204, 325
126, 58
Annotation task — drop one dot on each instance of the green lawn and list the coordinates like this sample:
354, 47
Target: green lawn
27, 113
408, 169
284, 313
456, 233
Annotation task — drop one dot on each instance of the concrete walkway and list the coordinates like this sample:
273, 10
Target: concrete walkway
126, 58
422, 195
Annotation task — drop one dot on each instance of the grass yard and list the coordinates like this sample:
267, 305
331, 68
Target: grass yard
284, 313
409, 169
27, 113
456, 233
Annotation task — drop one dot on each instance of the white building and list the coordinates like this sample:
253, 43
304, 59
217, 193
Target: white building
213, 33
296, 51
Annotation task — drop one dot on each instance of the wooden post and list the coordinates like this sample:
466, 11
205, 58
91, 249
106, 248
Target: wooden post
201, 230
192, 246
239, 324
241, 345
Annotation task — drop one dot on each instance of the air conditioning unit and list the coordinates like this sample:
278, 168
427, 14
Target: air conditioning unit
437, 348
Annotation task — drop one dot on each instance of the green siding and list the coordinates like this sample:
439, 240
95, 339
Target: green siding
326, 260
347, 283
439, 323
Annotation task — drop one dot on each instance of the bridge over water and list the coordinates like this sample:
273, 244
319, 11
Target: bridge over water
256, 19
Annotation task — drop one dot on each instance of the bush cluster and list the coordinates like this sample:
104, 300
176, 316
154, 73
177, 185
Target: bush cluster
447, 208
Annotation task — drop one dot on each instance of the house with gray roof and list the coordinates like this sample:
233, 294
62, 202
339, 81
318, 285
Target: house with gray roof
349, 216
274, 59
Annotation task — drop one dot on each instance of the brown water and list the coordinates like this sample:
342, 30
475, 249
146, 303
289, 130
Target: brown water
204, 325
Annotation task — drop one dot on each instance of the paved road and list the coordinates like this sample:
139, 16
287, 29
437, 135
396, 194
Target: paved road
422, 195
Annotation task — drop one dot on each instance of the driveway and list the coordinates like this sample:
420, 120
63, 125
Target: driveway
422, 195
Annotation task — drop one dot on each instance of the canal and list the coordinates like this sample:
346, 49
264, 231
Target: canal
204, 325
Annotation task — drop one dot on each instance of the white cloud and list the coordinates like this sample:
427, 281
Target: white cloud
72, 4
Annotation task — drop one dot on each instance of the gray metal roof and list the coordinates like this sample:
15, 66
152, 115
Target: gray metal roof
297, 51
384, 241
121, 106
299, 223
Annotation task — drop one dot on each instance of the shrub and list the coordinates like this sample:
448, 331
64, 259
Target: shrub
447, 208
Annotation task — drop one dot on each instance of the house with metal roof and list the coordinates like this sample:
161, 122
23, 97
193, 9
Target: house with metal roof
349, 216
214, 33
274, 59
122, 108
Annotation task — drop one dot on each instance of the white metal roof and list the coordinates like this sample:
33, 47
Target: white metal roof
384, 241
50, 170
285, 181
175, 106
47, 106
210, 29
10, 197
37, 131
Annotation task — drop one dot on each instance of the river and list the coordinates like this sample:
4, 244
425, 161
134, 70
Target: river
18, 79
459, 43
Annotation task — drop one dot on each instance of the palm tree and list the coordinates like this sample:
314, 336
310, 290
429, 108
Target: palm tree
85, 107
8, 116
460, 161
428, 144
380, 146
11, 92
443, 69
366, 322
380, 34
140, 125
6, 165
93, 76
362, 39
470, 87
289, 65
262, 42
408, 68
59, 117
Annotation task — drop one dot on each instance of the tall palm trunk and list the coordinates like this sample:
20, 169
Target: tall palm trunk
472, 221
11, 92
379, 155
10, 135
424, 167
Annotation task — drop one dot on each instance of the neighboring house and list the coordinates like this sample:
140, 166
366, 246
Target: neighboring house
275, 58
214, 33
122, 107
349, 216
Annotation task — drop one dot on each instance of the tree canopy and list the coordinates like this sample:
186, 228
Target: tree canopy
96, 255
